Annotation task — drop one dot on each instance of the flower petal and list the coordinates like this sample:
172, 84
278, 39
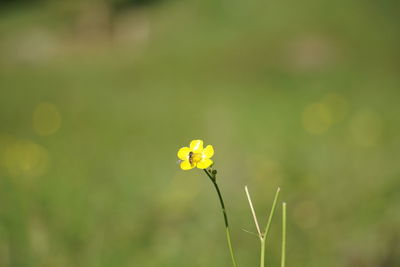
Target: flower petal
183, 153
196, 146
204, 163
185, 165
208, 152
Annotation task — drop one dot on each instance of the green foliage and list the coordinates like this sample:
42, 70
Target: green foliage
299, 94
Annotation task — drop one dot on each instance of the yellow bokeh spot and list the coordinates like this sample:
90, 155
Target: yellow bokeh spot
46, 119
317, 118
23, 157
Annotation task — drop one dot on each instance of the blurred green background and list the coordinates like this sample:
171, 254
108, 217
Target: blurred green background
96, 97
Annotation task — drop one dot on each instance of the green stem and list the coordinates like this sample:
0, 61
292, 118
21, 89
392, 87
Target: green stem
283, 234
262, 252
221, 201
264, 238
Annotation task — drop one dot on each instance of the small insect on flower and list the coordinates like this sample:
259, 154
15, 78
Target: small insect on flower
196, 156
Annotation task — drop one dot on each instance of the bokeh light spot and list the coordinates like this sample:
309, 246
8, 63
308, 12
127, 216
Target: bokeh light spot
317, 118
46, 119
23, 157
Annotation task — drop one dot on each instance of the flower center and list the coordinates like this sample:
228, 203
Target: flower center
194, 157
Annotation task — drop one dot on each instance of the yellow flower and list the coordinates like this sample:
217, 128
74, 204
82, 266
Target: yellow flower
196, 155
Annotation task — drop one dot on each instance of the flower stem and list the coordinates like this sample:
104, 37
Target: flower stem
221, 201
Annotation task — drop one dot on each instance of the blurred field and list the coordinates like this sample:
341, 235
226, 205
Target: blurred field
96, 99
